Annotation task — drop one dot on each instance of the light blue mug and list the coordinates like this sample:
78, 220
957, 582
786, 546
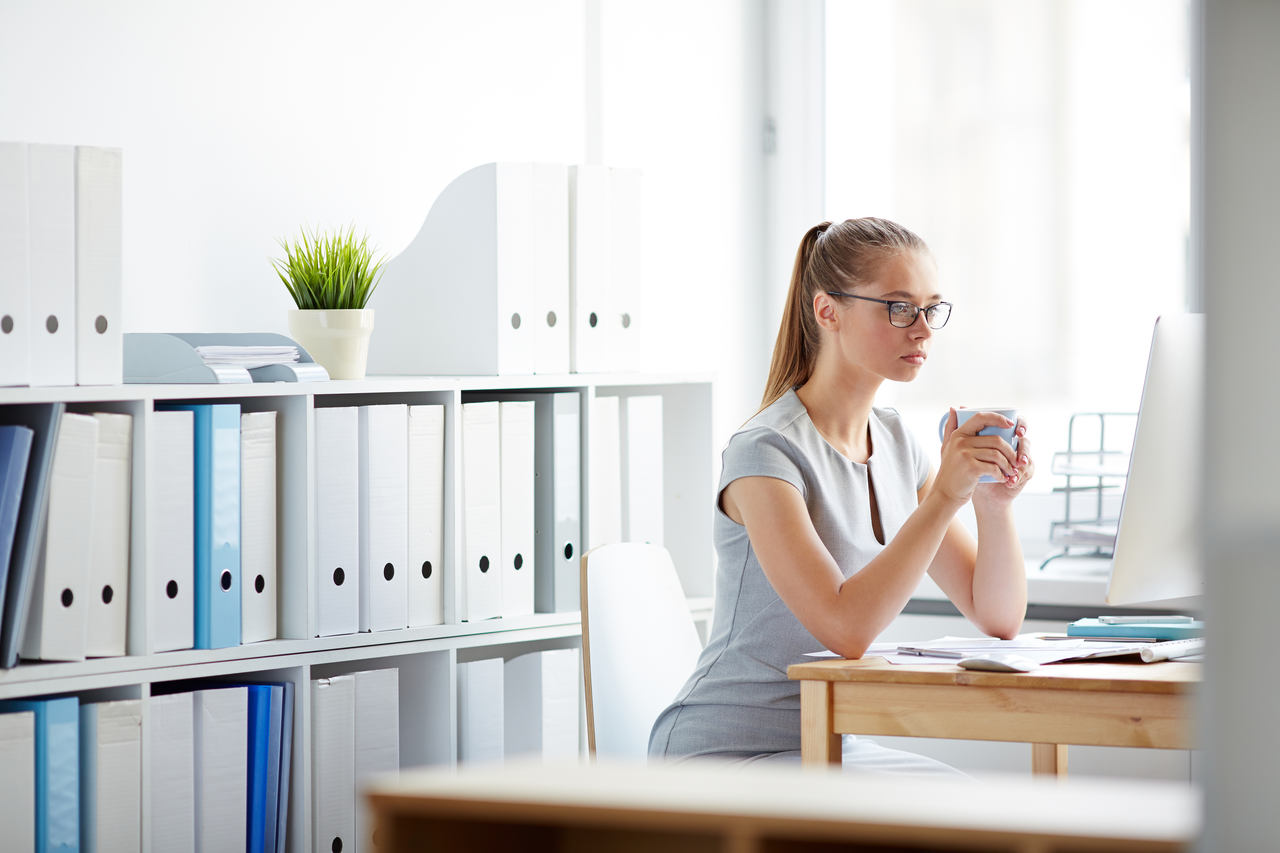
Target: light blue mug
964, 413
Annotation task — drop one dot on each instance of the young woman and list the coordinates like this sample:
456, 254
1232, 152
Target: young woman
828, 513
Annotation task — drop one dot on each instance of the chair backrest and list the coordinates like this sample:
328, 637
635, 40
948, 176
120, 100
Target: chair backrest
639, 644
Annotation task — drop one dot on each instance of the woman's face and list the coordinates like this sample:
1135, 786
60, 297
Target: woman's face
865, 336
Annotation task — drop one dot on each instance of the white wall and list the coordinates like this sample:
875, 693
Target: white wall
242, 121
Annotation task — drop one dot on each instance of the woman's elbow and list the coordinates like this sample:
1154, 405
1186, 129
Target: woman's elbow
1002, 627
849, 644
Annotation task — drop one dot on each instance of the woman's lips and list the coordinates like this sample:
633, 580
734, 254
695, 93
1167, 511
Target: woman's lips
916, 358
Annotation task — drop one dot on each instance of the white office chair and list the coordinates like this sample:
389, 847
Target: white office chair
639, 644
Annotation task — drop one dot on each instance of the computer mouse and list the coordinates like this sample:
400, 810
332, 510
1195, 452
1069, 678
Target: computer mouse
999, 662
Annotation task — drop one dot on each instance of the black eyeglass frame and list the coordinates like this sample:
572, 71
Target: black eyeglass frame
892, 302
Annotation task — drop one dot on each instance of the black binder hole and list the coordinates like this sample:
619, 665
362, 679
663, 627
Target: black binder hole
515, 321
626, 321
225, 580
51, 323
484, 564
171, 589
259, 583
339, 576
388, 571
336, 846
107, 594
67, 598
592, 319
426, 568
6, 324
518, 561
100, 324
568, 550
551, 319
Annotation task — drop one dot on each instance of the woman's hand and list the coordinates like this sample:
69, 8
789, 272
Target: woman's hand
995, 494
967, 456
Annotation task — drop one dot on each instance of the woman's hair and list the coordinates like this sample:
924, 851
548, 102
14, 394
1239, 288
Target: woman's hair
832, 256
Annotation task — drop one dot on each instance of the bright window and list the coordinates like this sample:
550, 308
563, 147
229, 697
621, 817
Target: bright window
1041, 147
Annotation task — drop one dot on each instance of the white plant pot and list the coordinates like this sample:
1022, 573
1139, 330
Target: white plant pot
337, 338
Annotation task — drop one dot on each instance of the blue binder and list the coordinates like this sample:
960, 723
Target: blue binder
15, 449
270, 823
57, 771
43, 419
217, 522
259, 758
286, 767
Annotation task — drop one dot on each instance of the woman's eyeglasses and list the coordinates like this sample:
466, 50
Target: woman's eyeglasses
903, 314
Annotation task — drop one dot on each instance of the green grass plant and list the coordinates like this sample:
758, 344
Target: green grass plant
335, 270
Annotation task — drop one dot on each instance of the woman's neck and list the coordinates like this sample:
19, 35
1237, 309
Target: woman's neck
840, 407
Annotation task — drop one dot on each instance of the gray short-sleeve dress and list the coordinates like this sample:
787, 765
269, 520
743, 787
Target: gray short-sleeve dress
739, 702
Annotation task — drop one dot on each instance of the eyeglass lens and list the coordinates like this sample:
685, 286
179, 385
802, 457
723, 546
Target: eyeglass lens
903, 314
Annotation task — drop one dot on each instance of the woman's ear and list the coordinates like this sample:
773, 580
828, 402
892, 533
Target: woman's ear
824, 311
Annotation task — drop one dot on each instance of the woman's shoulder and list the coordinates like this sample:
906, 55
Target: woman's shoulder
780, 418
890, 418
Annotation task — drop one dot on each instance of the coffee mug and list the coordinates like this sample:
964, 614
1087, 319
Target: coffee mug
964, 413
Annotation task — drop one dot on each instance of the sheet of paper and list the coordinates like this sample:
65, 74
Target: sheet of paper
1034, 646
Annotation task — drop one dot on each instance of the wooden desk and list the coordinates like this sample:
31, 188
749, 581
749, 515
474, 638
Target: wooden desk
1102, 704
711, 807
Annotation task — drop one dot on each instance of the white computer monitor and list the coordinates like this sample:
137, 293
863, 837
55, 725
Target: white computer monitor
1157, 550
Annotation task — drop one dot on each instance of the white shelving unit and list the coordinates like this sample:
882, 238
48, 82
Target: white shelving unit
425, 657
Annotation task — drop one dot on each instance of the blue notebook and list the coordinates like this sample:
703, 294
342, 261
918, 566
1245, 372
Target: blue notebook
216, 428
1154, 628
15, 449
28, 536
57, 771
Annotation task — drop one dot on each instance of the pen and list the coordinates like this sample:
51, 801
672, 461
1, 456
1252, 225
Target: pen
933, 653
1156, 620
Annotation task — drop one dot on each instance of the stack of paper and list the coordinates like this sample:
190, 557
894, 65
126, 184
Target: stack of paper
248, 357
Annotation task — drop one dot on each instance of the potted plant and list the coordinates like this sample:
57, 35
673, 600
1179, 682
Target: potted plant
331, 277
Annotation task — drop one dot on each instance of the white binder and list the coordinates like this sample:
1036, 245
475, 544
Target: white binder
107, 593
605, 519
480, 572
558, 494
642, 475
51, 170
384, 517
516, 434
590, 302
18, 782
480, 710
221, 767
259, 578
550, 228
99, 218
475, 255
15, 267
425, 568
333, 784
337, 473
172, 777
377, 737
170, 559
56, 622
111, 776
540, 695
626, 280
